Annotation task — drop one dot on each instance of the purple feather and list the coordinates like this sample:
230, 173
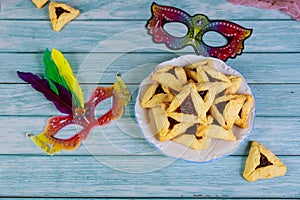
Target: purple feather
62, 101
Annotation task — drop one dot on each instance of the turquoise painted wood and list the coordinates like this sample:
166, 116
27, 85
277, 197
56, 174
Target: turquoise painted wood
116, 161
12, 31
123, 138
120, 10
133, 68
156, 176
272, 100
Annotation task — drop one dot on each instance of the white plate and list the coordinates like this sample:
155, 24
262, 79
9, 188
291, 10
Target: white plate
218, 148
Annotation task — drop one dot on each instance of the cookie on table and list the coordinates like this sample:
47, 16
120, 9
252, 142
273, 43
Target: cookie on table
61, 14
39, 3
262, 163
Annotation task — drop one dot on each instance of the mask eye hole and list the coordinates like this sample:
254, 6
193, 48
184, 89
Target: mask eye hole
176, 29
214, 39
68, 131
103, 107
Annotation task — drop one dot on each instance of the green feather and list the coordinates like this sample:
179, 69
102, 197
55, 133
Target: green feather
52, 73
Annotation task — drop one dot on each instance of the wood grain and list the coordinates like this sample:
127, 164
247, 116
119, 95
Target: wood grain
124, 137
136, 176
21, 99
133, 66
116, 161
21, 37
120, 10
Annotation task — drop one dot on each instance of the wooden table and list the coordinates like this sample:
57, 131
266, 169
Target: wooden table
116, 161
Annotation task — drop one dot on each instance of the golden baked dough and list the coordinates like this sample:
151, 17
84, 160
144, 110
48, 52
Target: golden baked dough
198, 96
214, 74
156, 95
207, 97
205, 71
218, 132
262, 163
179, 98
60, 14
39, 3
190, 140
171, 76
158, 114
241, 121
181, 117
235, 84
194, 73
189, 102
231, 105
215, 87
167, 127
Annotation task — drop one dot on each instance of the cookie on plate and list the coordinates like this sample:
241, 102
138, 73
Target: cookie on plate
156, 95
172, 76
167, 127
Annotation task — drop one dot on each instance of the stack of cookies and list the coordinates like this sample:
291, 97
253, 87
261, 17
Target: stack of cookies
193, 104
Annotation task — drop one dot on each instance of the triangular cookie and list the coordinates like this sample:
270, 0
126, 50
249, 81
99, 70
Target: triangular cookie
167, 127
262, 163
171, 76
195, 137
197, 75
192, 141
205, 71
61, 14
226, 109
156, 95
215, 87
218, 132
241, 121
39, 3
235, 84
189, 102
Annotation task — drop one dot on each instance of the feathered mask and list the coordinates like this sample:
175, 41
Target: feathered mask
61, 88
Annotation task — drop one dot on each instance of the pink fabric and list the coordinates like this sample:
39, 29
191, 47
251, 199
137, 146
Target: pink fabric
291, 7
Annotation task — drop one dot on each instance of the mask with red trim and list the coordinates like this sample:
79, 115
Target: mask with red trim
197, 26
62, 89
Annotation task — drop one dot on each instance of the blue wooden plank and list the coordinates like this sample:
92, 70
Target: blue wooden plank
154, 198
101, 67
139, 176
124, 137
271, 100
116, 161
95, 10
84, 36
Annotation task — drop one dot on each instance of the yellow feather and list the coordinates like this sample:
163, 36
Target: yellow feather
121, 89
66, 72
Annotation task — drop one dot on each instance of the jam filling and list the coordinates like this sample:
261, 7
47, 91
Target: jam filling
172, 122
203, 93
194, 69
240, 113
159, 90
199, 137
191, 130
187, 107
263, 161
211, 79
221, 105
172, 71
59, 11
